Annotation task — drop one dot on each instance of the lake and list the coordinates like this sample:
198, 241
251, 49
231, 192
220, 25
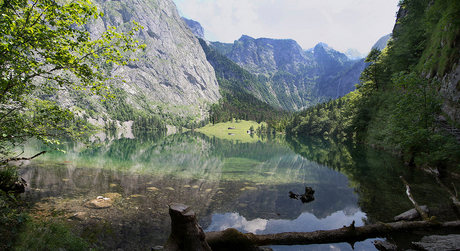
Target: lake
228, 184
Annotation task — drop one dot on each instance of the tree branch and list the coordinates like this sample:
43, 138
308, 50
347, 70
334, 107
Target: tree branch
453, 196
409, 194
16, 159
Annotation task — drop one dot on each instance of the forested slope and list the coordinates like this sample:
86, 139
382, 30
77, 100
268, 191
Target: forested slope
237, 87
408, 94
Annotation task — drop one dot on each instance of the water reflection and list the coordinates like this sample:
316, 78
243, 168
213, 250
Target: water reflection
228, 184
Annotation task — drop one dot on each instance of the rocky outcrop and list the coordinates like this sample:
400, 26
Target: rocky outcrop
450, 93
195, 27
172, 75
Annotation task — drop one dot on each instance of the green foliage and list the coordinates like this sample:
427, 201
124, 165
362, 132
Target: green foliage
411, 37
372, 74
12, 219
413, 127
148, 124
45, 49
326, 119
50, 235
118, 107
443, 36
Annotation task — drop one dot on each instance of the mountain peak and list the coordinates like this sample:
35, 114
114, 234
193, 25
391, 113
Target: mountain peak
246, 38
324, 45
354, 54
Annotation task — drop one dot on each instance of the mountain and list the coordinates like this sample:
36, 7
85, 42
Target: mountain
354, 54
294, 78
382, 42
195, 27
266, 55
172, 78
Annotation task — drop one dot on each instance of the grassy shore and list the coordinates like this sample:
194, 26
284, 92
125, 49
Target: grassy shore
238, 131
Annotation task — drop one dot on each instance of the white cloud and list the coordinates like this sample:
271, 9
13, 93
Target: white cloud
342, 24
234, 220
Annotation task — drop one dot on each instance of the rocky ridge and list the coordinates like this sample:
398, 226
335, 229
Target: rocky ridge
171, 79
297, 78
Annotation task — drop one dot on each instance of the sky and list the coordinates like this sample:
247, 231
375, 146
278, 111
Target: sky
342, 24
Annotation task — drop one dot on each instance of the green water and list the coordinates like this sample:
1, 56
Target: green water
228, 184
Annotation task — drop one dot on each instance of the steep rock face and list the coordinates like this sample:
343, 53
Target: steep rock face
450, 92
195, 27
172, 75
344, 82
265, 55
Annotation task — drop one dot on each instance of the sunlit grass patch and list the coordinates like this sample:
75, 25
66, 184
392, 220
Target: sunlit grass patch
236, 131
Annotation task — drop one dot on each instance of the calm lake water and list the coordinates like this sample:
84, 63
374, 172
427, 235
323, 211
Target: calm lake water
228, 184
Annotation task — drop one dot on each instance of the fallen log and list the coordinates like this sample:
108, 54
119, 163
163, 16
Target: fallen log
350, 234
187, 234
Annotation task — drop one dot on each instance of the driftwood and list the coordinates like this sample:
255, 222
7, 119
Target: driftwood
350, 234
306, 197
409, 194
186, 234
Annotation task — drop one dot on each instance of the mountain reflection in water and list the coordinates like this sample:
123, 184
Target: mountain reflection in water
228, 184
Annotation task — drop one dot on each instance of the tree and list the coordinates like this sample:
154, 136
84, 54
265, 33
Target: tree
44, 49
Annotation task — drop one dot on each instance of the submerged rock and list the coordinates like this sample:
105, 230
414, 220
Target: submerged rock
80, 216
439, 242
103, 201
385, 246
99, 203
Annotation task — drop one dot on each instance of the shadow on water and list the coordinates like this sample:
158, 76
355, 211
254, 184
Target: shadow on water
228, 184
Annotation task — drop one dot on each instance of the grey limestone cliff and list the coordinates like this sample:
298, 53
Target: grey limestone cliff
195, 27
264, 55
172, 76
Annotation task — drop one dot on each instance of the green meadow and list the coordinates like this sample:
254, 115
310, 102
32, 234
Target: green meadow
235, 130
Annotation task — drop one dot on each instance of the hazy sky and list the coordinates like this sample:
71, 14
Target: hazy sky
342, 24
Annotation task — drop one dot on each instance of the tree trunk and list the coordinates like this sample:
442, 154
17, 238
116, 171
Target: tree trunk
186, 234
